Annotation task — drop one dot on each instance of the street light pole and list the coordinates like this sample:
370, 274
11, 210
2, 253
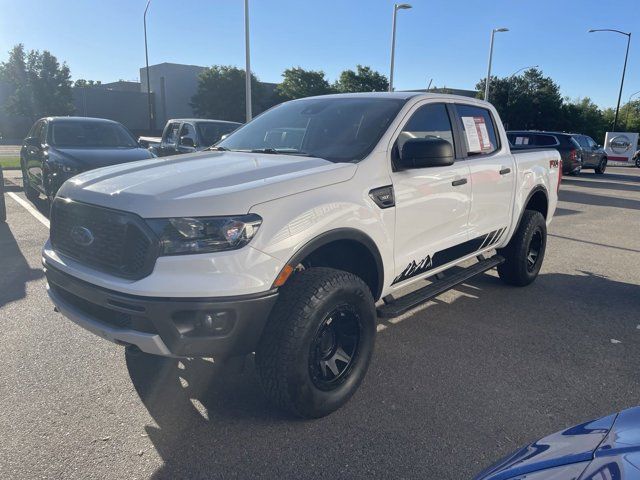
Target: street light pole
396, 7
624, 68
146, 55
247, 71
488, 80
626, 121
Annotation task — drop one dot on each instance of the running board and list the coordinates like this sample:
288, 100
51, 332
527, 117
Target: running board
415, 298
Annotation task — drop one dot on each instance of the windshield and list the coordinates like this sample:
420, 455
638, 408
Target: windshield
337, 129
212, 132
90, 134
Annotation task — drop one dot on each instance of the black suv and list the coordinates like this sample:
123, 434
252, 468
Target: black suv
570, 150
593, 155
58, 148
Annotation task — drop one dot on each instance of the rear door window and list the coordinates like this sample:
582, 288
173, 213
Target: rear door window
582, 141
478, 130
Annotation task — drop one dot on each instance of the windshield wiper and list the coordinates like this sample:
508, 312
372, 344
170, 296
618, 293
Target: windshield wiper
275, 151
219, 149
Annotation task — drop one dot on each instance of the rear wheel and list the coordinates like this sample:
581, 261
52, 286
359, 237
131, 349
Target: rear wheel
525, 252
602, 166
317, 345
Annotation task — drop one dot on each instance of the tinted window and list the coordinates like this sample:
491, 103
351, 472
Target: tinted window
188, 131
582, 141
171, 136
211, 133
429, 121
546, 140
590, 142
339, 129
479, 131
518, 139
72, 133
37, 131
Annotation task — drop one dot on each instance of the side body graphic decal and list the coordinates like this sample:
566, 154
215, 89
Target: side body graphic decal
448, 255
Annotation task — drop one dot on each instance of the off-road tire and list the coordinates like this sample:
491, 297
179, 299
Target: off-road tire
516, 269
285, 358
602, 166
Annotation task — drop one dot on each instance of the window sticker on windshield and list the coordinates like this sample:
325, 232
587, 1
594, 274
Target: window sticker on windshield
477, 134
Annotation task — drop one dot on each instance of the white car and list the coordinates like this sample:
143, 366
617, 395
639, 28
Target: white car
281, 240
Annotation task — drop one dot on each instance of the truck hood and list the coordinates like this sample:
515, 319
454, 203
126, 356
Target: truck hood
613, 438
204, 183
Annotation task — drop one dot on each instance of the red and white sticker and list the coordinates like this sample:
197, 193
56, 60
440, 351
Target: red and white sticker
477, 134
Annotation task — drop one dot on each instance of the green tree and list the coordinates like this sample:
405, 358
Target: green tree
364, 79
40, 85
527, 101
221, 94
82, 83
629, 118
299, 83
584, 116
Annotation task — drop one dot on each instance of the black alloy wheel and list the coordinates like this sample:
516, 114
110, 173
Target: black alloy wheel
335, 348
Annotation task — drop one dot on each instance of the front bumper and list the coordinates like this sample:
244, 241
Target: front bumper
220, 327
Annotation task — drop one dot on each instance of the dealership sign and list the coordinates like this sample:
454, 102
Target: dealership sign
620, 146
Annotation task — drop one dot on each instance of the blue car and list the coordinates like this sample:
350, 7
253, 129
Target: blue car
603, 449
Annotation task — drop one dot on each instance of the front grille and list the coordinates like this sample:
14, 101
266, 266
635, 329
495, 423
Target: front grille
118, 242
106, 315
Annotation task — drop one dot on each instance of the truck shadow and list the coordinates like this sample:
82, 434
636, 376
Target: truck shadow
599, 200
602, 184
492, 363
16, 272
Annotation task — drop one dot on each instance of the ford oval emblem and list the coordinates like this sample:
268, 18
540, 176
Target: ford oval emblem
82, 236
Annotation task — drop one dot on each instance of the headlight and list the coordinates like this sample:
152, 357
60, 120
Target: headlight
204, 234
70, 169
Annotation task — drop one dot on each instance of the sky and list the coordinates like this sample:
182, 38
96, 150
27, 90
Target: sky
447, 41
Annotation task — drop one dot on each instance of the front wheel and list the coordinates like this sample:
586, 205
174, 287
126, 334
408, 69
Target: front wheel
317, 345
638, 161
29, 192
525, 252
602, 166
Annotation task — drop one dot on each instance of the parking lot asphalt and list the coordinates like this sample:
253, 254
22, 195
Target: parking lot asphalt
452, 387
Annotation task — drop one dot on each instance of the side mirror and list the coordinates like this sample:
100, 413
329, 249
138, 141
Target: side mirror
33, 142
426, 152
187, 142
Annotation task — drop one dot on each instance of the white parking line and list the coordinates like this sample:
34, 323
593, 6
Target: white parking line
29, 208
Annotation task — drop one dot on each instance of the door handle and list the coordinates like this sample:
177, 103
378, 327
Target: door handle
459, 182
504, 171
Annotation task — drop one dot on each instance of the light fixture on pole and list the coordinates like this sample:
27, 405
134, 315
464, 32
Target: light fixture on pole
247, 70
488, 80
396, 7
146, 55
624, 68
626, 121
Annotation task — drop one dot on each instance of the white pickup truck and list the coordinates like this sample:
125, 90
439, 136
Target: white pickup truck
283, 238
